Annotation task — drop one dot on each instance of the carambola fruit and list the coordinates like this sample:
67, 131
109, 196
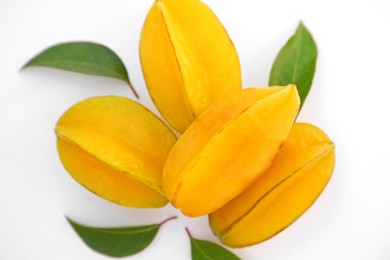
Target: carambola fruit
187, 58
228, 147
297, 176
116, 148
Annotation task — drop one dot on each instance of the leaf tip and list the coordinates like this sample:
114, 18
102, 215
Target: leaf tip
301, 27
70, 221
27, 64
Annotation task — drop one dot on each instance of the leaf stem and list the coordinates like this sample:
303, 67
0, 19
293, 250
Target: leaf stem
133, 90
188, 232
168, 219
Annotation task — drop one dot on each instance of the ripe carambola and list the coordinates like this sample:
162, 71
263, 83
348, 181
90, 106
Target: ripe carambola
116, 148
297, 176
187, 58
228, 147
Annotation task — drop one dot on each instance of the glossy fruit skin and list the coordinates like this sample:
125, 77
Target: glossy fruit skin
228, 147
116, 148
297, 176
188, 60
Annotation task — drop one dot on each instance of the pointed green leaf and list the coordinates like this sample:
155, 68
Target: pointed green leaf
117, 241
83, 57
296, 62
205, 250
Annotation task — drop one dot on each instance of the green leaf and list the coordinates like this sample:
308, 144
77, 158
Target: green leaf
117, 241
83, 57
205, 250
296, 62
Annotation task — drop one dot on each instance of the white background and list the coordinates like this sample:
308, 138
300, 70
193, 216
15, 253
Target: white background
349, 100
